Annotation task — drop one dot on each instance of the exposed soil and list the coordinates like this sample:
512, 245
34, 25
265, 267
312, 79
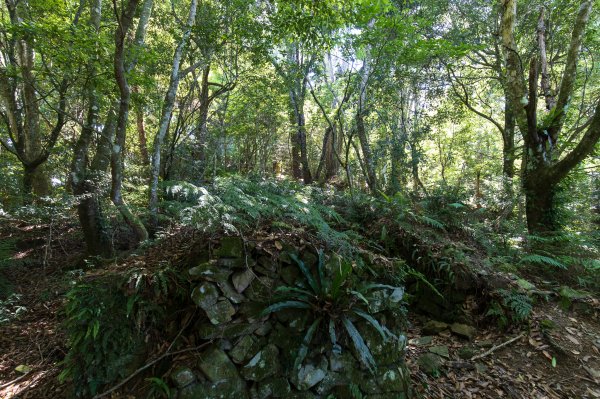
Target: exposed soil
522, 369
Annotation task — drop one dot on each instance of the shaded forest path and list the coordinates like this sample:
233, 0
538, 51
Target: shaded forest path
32, 340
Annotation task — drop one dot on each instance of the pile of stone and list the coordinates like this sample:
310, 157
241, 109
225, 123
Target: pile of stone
251, 356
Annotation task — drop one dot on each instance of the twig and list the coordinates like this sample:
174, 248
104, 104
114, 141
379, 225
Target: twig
9, 383
495, 348
148, 365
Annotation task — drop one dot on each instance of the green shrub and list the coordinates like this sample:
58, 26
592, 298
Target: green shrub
106, 321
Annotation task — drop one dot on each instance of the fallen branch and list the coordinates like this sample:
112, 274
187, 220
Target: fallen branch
147, 366
495, 348
9, 383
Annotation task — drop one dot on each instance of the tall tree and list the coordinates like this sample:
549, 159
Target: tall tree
125, 21
34, 97
543, 169
167, 110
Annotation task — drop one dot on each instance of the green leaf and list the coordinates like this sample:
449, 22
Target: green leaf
307, 274
373, 322
320, 266
305, 343
363, 351
288, 289
360, 296
553, 362
23, 368
543, 260
276, 307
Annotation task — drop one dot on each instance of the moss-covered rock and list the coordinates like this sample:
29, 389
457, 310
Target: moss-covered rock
231, 247
205, 295
262, 365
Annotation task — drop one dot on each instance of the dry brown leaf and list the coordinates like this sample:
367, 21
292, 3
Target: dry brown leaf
573, 339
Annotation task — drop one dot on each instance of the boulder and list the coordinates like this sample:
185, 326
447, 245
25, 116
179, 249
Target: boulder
274, 388
244, 349
220, 312
241, 280
309, 376
441, 350
463, 330
183, 377
218, 368
433, 327
264, 364
430, 364
209, 271
230, 293
394, 380
205, 295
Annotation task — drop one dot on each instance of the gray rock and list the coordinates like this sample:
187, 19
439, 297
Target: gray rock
245, 348
433, 327
183, 377
466, 352
264, 364
209, 271
344, 362
394, 380
331, 381
241, 280
261, 289
217, 367
430, 364
230, 293
274, 388
205, 295
441, 350
421, 341
220, 390
229, 330
309, 376
463, 330
193, 391
220, 312
264, 329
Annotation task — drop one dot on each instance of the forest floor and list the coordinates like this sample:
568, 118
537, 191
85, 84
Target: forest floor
32, 343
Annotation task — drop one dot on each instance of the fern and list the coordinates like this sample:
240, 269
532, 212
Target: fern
542, 260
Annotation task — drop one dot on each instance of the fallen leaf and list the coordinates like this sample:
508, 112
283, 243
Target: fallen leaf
573, 339
278, 245
22, 368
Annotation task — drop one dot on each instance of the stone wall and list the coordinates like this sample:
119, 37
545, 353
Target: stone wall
250, 355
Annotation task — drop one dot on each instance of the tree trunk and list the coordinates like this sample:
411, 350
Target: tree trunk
540, 207
141, 129
360, 127
166, 114
203, 122
116, 160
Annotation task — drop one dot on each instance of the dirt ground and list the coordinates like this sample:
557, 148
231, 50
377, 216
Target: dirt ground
32, 345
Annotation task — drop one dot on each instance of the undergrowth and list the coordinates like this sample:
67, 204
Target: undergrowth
107, 322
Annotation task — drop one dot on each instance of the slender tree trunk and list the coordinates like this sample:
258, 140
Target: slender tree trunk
361, 132
83, 183
126, 19
141, 129
167, 112
203, 122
